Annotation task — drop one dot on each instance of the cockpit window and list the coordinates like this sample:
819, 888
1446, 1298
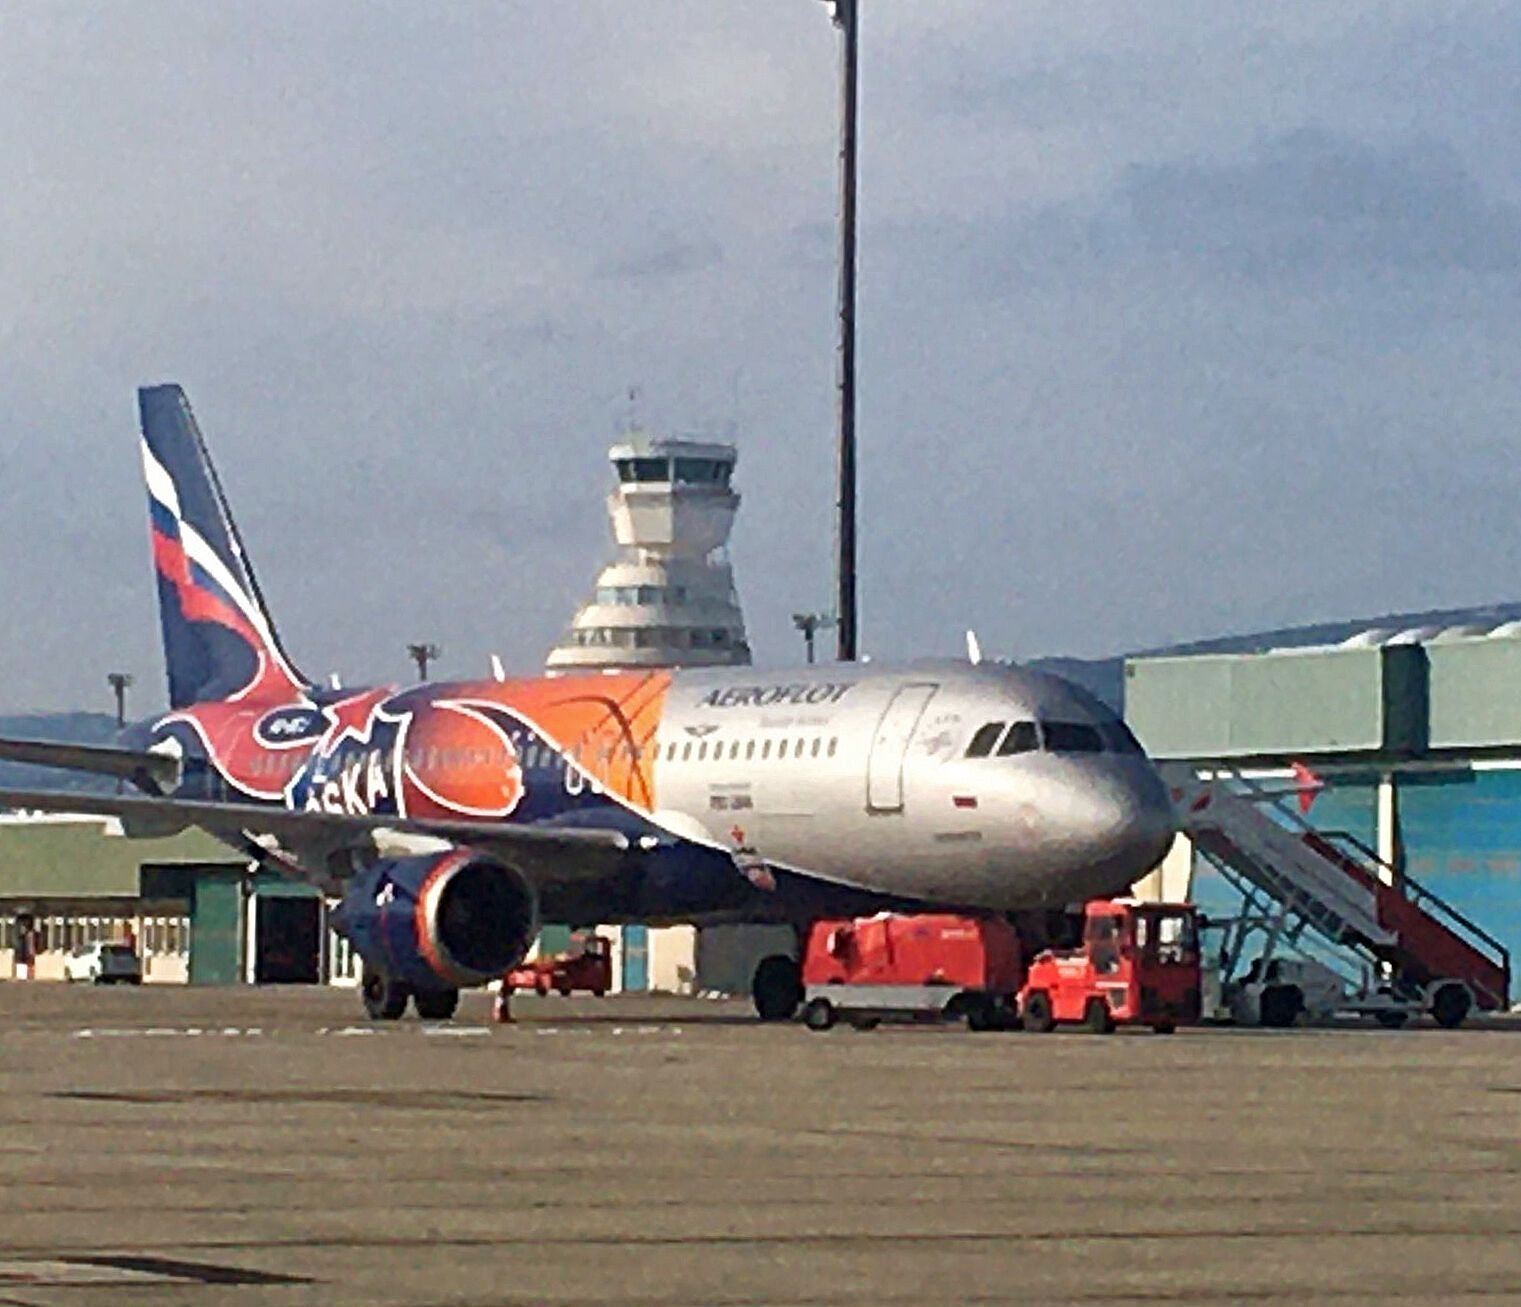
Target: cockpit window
1118, 739
982, 743
1072, 737
1022, 738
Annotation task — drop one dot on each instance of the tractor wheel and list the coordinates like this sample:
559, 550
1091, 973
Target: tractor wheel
1280, 1006
777, 988
384, 999
1450, 1006
1097, 1019
981, 1012
436, 1004
819, 1014
1037, 1015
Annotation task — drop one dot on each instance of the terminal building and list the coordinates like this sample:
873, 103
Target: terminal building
1406, 740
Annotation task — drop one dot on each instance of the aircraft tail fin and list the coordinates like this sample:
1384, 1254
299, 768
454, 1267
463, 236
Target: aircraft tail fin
219, 640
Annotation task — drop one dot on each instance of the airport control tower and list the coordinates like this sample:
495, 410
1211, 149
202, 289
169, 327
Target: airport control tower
668, 598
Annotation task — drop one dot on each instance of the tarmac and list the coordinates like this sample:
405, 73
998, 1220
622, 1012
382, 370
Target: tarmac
197, 1146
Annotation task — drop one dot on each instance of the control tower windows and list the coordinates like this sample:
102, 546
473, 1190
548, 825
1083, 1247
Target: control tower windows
644, 470
703, 471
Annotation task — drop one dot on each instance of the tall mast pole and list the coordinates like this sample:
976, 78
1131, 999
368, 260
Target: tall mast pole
845, 20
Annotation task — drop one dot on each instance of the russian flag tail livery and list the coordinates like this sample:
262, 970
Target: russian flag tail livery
219, 641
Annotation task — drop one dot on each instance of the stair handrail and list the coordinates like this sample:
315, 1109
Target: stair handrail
1417, 893
1400, 881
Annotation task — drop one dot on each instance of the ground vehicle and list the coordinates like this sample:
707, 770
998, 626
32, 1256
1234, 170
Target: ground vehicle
1279, 992
589, 969
922, 967
104, 964
1139, 965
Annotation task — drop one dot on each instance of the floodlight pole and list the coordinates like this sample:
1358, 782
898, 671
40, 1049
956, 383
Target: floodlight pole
844, 14
119, 683
422, 654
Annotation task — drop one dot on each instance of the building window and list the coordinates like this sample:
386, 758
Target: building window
644, 469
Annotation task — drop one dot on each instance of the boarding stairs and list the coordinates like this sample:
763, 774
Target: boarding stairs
1331, 885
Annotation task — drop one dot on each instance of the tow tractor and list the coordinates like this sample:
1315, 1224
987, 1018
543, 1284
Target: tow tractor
1138, 966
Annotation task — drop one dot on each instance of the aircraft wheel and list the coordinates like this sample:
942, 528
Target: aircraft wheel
384, 999
819, 1014
436, 1004
777, 988
1037, 1016
1450, 1006
1097, 1019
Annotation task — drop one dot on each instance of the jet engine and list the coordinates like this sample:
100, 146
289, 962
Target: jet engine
439, 920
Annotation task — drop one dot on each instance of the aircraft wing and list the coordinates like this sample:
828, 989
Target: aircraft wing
544, 854
161, 769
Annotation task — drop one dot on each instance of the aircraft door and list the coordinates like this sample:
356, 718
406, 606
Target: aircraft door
889, 746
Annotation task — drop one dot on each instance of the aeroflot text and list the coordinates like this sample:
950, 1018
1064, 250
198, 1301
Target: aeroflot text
769, 696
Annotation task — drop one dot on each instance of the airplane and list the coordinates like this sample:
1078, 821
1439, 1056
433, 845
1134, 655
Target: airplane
448, 818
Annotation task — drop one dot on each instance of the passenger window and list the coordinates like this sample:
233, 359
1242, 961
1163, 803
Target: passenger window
781, 748
686, 751
734, 751
833, 745
1022, 738
817, 745
765, 748
749, 749
982, 743
702, 751
1072, 737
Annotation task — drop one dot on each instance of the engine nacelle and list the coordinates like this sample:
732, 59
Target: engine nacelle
442, 920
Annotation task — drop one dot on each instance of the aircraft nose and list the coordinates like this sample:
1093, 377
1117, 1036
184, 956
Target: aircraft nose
1127, 820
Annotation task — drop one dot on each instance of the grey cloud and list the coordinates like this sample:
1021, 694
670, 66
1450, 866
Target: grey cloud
1312, 200
667, 255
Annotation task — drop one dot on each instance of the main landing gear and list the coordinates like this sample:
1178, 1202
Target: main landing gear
777, 987
385, 998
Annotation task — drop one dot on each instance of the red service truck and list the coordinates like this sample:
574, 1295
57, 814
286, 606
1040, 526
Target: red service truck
590, 969
923, 967
1139, 965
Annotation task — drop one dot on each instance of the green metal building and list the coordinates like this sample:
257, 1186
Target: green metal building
1417, 741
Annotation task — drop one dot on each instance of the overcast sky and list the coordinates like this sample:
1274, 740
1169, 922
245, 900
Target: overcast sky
1175, 319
